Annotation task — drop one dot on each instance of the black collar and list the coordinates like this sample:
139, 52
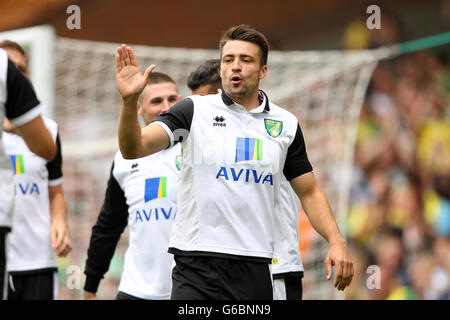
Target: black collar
226, 99
261, 94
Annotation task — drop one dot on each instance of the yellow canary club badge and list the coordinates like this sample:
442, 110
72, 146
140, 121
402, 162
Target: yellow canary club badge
273, 127
275, 261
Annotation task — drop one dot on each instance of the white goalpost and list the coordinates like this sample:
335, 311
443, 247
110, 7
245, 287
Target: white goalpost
38, 43
324, 89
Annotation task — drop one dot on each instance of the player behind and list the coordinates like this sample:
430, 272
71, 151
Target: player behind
19, 103
39, 229
142, 194
206, 78
236, 147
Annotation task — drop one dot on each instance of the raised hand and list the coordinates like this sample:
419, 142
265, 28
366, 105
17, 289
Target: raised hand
130, 81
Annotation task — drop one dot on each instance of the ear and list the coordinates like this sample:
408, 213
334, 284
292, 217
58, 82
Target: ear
139, 110
220, 71
263, 72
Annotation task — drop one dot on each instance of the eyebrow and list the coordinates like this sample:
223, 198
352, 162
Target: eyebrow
239, 55
162, 98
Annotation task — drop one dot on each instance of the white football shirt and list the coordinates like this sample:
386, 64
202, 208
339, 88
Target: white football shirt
18, 102
287, 258
233, 161
29, 246
150, 186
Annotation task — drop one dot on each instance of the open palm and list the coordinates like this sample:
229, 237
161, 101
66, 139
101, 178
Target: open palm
130, 81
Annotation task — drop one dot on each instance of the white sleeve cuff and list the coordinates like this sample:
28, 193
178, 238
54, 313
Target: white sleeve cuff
168, 131
55, 182
27, 116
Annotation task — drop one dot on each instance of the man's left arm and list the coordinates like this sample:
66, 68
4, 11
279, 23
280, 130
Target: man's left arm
321, 217
298, 171
59, 229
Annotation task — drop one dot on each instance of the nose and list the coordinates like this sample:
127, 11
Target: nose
236, 65
165, 106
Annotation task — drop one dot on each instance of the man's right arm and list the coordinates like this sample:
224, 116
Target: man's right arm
111, 222
134, 142
23, 110
37, 138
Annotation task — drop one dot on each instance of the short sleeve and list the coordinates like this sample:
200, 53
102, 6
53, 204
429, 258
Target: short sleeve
54, 166
297, 162
21, 104
177, 121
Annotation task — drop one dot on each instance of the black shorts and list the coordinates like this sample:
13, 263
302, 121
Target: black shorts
125, 296
288, 286
33, 285
216, 278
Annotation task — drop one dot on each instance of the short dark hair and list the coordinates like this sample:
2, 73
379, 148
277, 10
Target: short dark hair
207, 73
243, 32
159, 77
8, 44
156, 78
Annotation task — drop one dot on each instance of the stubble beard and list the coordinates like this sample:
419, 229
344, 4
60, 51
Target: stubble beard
243, 91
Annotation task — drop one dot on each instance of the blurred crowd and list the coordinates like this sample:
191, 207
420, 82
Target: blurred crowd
399, 214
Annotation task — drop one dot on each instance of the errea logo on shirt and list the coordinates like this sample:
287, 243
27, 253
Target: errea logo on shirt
155, 188
219, 121
17, 163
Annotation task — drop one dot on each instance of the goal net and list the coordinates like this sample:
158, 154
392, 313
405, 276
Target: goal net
324, 89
